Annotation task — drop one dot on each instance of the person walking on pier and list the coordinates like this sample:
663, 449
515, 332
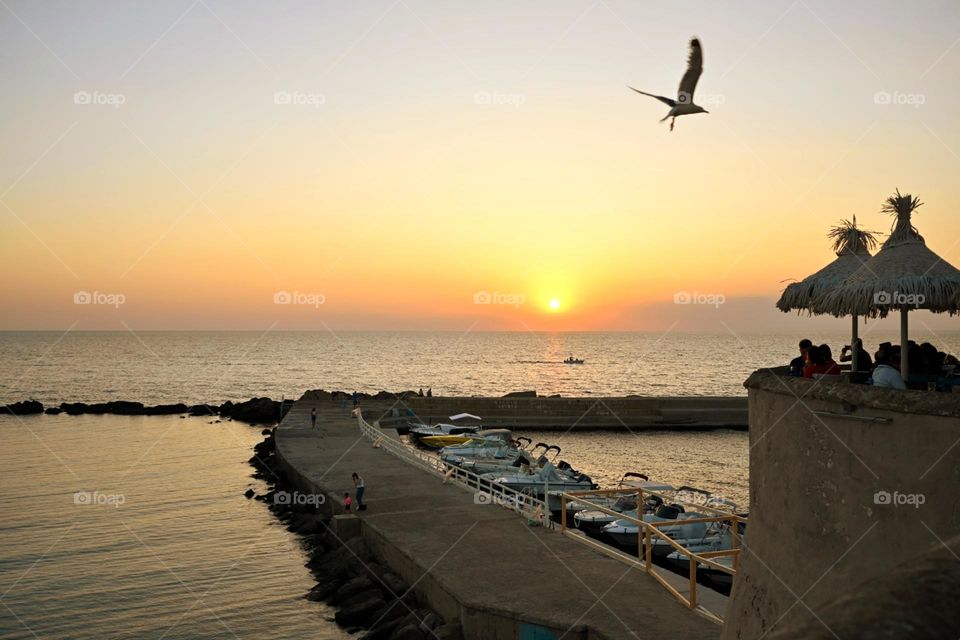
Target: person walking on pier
313, 418
358, 483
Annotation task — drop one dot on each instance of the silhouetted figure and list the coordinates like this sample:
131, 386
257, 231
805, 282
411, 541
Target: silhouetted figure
361, 487
885, 375
430, 392
797, 364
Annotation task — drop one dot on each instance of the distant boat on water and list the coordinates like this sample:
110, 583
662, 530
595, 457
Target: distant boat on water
572, 360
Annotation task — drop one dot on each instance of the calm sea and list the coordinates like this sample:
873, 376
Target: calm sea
169, 547
135, 527
155, 367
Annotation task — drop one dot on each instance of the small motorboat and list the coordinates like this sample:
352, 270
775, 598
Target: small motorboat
507, 461
630, 480
715, 535
458, 425
572, 360
548, 476
472, 445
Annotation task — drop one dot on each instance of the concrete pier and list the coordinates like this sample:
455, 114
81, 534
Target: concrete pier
479, 564
635, 413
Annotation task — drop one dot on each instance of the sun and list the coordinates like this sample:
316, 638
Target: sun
554, 304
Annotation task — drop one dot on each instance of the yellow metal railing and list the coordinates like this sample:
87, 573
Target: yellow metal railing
646, 531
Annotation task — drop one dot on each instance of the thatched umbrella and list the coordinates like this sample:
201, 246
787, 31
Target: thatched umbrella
904, 275
852, 246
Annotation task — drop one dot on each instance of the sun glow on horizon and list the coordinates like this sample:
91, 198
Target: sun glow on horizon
554, 304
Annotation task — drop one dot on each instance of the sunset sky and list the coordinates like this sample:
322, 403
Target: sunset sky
385, 165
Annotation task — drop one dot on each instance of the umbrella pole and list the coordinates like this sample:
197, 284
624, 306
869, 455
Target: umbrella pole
853, 345
903, 344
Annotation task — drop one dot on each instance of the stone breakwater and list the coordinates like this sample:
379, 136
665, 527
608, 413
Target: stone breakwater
367, 596
254, 411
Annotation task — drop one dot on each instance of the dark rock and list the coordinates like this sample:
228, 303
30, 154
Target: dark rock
24, 408
363, 596
249, 493
256, 411
226, 409
521, 394
116, 407
407, 632
165, 409
360, 614
334, 564
324, 590
351, 588
73, 408
430, 621
394, 584
267, 432
449, 631
204, 410
53, 410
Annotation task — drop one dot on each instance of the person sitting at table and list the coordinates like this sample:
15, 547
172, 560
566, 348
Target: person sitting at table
797, 364
864, 362
884, 375
932, 360
830, 367
815, 362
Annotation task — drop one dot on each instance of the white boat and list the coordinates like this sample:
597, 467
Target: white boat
458, 425
630, 480
592, 521
708, 535
512, 462
488, 443
547, 477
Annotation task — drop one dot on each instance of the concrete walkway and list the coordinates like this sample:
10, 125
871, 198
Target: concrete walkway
479, 563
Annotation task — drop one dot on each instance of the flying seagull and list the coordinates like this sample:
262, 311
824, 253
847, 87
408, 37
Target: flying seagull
683, 105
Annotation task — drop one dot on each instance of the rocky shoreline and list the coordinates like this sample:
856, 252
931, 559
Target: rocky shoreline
263, 411
366, 595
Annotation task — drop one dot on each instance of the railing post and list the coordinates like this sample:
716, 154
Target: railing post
563, 511
648, 548
736, 556
693, 581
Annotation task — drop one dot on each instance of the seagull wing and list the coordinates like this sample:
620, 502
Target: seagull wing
666, 101
688, 84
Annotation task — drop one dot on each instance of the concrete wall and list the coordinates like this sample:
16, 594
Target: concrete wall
817, 530
634, 412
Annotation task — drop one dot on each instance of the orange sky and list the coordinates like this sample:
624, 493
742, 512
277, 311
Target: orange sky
442, 152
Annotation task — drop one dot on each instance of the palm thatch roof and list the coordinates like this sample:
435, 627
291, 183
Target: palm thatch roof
852, 246
905, 274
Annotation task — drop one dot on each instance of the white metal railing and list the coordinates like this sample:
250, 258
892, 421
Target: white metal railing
485, 491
